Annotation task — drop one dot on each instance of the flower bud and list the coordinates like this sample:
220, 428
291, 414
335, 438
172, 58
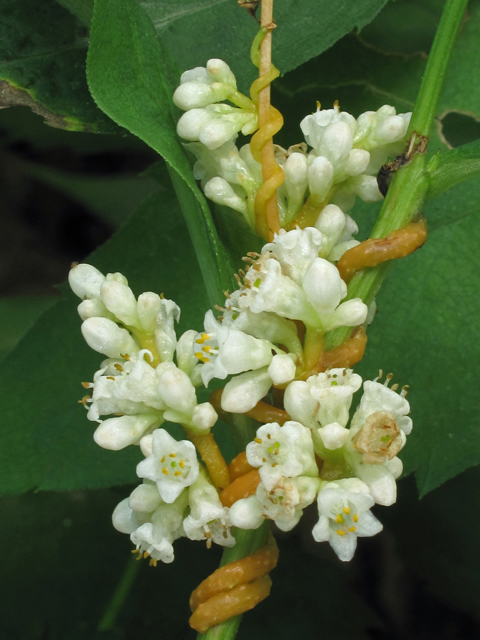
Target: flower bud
85, 281
296, 179
218, 190
195, 95
337, 142
281, 369
191, 123
243, 392
119, 299
204, 416
333, 435
357, 162
146, 445
320, 176
175, 388
93, 308
122, 518
145, 498
218, 131
246, 513
104, 336
366, 188
118, 433
323, 285
390, 130
148, 307
221, 72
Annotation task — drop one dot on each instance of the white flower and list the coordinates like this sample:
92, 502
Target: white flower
133, 389
85, 281
323, 399
333, 435
226, 351
295, 250
208, 519
172, 466
284, 503
155, 537
165, 338
282, 452
344, 510
377, 433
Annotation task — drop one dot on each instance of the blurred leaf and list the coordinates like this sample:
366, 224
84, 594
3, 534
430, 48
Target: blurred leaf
131, 77
42, 65
112, 198
47, 440
437, 539
17, 315
81, 9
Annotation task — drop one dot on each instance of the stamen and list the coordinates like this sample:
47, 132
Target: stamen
339, 519
172, 455
86, 385
352, 529
110, 378
394, 386
340, 532
125, 356
165, 471
258, 440
177, 473
346, 510
163, 459
355, 517
182, 464
118, 367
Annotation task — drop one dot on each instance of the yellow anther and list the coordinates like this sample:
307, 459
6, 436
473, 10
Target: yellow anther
172, 455
355, 517
182, 464
346, 510
145, 555
153, 562
258, 440
275, 464
339, 519
199, 355
207, 348
163, 459
352, 529
86, 385
118, 367
125, 356
134, 550
110, 378
340, 532
165, 471
319, 106
177, 473
206, 336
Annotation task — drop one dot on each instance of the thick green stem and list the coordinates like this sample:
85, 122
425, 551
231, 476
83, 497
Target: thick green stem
120, 595
409, 186
247, 542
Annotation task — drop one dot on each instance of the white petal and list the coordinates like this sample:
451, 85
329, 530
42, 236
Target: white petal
333, 435
344, 546
145, 498
368, 525
320, 176
321, 531
246, 513
281, 369
120, 301
118, 433
380, 481
122, 517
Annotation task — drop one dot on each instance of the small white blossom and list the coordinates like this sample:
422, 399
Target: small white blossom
104, 336
118, 433
285, 451
344, 510
284, 504
243, 392
208, 519
172, 466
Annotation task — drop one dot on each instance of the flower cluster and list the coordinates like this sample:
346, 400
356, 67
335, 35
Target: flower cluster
267, 345
359, 464
256, 344
345, 156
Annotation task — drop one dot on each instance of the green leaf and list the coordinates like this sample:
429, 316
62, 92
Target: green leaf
131, 78
42, 65
221, 29
47, 440
453, 167
17, 315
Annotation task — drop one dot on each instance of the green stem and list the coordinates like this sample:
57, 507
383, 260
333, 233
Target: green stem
247, 542
120, 595
409, 186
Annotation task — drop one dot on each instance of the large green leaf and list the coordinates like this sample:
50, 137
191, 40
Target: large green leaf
131, 78
47, 440
42, 65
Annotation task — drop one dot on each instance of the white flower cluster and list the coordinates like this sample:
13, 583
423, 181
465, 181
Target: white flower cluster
139, 390
207, 118
256, 340
359, 464
345, 156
